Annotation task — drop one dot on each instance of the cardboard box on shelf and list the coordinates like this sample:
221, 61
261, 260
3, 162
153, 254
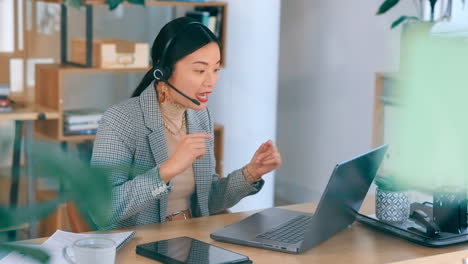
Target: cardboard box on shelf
112, 53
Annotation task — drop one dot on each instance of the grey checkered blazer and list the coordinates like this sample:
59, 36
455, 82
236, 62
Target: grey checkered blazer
131, 141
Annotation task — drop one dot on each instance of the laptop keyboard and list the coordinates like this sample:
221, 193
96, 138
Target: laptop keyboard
289, 232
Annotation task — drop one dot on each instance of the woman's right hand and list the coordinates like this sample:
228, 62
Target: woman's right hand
190, 148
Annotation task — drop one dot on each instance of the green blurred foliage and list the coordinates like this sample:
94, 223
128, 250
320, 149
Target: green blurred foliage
389, 4
431, 131
90, 189
113, 4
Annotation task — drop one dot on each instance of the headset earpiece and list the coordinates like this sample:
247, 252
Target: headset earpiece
160, 73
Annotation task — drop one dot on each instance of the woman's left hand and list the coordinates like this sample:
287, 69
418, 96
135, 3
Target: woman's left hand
266, 159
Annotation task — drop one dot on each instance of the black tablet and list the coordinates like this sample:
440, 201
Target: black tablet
188, 250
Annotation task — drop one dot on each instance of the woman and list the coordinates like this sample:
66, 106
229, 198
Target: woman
160, 142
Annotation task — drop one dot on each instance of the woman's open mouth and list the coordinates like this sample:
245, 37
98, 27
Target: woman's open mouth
203, 97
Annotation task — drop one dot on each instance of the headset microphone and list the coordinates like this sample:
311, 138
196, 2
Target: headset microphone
181, 93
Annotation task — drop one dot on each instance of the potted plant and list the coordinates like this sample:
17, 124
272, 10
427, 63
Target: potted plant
392, 204
420, 5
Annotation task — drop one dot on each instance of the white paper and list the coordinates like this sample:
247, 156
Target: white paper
7, 35
31, 69
16, 75
20, 25
55, 244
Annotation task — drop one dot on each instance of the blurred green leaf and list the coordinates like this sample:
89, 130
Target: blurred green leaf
113, 4
25, 214
390, 183
137, 2
402, 19
89, 187
73, 3
33, 252
387, 5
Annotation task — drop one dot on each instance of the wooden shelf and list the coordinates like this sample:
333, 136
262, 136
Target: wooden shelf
73, 69
77, 138
147, 3
29, 112
50, 92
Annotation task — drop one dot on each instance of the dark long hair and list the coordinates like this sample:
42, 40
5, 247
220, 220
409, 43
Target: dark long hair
188, 38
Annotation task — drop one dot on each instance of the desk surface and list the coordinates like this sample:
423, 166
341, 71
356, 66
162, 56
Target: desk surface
357, 244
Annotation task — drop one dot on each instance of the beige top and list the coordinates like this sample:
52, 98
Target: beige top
183, 185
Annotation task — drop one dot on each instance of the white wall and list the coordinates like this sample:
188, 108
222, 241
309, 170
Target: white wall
245, 100
7, 35
329, 52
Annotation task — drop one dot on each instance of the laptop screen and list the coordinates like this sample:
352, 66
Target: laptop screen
345, 192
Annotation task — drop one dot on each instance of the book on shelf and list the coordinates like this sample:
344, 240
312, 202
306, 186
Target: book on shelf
81, 126
80, 132
82, 115
215, 18
200, 16
90, 122
4, 90
5, 104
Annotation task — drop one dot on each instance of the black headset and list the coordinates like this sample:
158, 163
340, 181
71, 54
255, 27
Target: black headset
161, 71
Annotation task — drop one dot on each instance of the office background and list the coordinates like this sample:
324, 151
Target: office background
298, 72
329, 54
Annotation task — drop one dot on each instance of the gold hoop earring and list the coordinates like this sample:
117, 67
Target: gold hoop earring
162, 96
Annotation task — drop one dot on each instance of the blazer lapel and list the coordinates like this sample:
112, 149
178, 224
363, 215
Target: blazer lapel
200, 166
156, 139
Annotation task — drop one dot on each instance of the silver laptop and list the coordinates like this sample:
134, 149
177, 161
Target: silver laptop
295, 232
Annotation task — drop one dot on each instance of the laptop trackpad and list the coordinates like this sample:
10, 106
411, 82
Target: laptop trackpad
258, 223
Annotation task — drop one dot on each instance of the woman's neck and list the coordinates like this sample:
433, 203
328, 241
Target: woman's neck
172, 113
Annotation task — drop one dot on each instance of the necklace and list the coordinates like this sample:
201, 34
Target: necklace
176, 133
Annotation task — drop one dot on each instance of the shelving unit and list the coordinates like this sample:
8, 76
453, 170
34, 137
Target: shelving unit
49, 90
384, 94
89, 4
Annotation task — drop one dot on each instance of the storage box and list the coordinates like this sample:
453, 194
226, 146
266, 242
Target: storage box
112, 53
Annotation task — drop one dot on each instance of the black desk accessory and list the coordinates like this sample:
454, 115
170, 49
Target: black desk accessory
450, 209
422, 227
422, 218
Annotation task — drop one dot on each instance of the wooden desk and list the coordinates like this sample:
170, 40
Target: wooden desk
448, 258
357, 244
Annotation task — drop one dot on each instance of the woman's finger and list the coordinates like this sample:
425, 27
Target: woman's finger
196, 140
274, 155
199, 146
198, 135
271, 161
258, 151
265, 155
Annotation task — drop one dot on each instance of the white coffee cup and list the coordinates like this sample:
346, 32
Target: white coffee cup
91, 251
